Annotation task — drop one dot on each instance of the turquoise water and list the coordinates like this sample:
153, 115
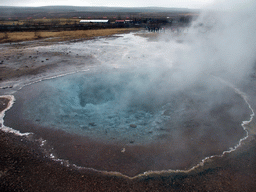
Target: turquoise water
126, 106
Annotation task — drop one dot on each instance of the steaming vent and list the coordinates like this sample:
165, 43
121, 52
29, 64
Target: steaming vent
106, 104
128, 106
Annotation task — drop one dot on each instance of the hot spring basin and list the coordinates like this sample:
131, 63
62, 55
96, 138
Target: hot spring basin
123, 121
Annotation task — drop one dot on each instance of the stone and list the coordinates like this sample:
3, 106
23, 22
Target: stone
133, 125
84, 127
92, 124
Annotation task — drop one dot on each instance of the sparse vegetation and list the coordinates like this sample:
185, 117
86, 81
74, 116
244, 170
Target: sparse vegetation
63, 23
6, 36
38, 35
60, 36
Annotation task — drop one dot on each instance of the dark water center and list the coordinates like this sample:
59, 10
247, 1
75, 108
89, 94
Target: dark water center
125, 122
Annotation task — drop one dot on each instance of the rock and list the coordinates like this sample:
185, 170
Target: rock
42, 61
131, 141
133, 125
47, 59
123, 150
92, 124
83, 127
150, 132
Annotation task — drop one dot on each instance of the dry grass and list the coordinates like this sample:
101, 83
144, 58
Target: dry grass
62, 35
60, 21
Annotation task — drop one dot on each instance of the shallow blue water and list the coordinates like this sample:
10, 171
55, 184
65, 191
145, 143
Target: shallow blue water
125, 106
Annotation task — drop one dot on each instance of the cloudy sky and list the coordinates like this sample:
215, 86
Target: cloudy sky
110, 3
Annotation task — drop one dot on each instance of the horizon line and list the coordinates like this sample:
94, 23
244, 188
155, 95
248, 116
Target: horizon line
97, 6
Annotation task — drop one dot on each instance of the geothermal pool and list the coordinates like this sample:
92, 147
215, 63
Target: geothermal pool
129, 114
127, 107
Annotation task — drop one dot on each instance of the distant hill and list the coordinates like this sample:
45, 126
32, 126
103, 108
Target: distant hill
69, 11
94, 9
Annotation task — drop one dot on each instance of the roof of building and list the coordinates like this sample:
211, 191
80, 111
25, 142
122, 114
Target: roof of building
119, 20
94, 21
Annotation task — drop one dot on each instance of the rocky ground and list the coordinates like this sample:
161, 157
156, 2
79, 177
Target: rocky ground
19, 60
25, 168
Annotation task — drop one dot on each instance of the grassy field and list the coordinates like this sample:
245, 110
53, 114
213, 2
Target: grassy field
59, 21
62, 35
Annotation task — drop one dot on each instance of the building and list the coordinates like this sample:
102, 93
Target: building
123, 21
94, 21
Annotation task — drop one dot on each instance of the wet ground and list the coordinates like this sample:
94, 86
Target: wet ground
24, 166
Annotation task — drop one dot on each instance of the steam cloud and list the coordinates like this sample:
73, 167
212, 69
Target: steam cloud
223, 41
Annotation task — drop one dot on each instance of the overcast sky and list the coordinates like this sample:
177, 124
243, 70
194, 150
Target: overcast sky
110, 3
